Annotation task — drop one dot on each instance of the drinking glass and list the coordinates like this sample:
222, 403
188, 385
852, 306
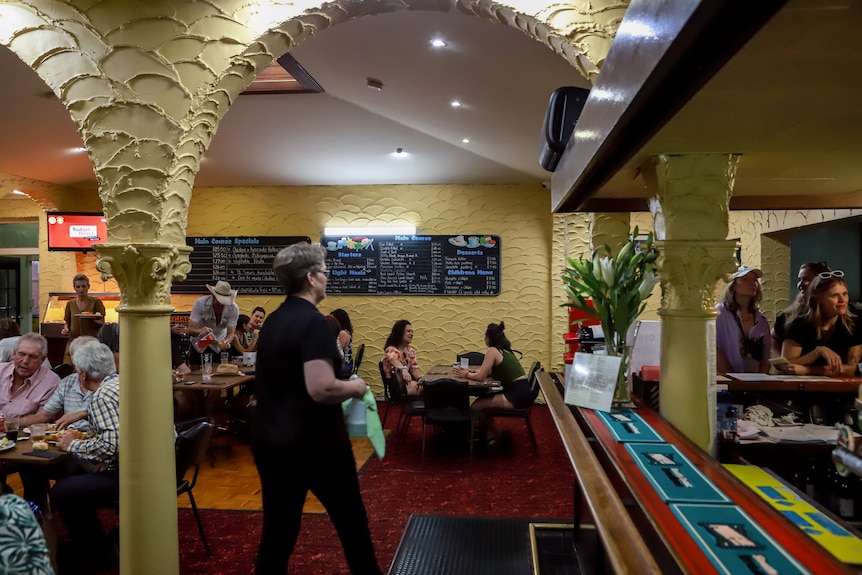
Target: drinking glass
225, 357
465, 363
12, 427
37, 431
207, 367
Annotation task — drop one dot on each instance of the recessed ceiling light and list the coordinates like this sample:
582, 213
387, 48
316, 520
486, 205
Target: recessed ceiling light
465, 141
77, 150
438, 43
374, 84
400, 153
18, 192
455, 103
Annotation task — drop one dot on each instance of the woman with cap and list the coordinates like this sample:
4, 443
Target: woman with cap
213, 315
741, 330
807, 272
825, 338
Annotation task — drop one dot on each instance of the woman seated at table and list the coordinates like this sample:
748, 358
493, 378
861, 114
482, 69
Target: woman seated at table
825, 339
500, 364
245, 336
807, 272
400, 355
741, 332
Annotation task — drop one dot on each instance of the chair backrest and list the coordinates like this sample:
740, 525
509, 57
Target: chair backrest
475, 357
63, 370
191, 448
446, 395
357, 359
391, 388
531, 377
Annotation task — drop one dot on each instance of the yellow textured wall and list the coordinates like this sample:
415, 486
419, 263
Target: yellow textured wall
534, 246
444, 326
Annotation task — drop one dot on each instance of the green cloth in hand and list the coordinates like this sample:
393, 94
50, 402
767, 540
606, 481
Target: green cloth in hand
374, 429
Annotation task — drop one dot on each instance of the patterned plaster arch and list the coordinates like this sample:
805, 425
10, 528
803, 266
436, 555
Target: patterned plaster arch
147, 90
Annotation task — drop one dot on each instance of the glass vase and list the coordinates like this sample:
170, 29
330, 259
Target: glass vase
623, 394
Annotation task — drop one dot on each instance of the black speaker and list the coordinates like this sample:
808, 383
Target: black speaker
564, 109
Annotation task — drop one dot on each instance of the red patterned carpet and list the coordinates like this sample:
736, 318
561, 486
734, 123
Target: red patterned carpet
513, 483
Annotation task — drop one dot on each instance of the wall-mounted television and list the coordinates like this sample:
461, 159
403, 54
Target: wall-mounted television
76, 231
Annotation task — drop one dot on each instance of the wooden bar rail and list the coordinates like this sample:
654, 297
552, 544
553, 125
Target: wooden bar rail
626, 550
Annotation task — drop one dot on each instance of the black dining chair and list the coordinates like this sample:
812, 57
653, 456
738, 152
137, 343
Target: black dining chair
191, 447
357, 359
395, 393
520, 412
447, 403
475, 357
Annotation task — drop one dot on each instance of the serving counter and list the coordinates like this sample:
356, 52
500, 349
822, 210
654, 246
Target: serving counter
694, 516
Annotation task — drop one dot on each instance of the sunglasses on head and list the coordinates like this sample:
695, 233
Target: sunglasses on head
832, 274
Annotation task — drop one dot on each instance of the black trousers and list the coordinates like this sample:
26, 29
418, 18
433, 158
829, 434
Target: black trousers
287, 474
77, 499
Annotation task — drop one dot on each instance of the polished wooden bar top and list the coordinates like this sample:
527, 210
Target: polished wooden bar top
194, 381
17, 455
675, 536
789, 383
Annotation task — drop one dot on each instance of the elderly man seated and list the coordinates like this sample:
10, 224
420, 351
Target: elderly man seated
26, 383
92, 479
67, 407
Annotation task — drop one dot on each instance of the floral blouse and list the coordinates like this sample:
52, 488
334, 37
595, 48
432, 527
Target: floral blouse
22, 544
392, 354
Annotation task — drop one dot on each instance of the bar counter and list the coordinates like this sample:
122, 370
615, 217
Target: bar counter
670, 544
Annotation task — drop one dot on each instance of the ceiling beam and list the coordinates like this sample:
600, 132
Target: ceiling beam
664, 52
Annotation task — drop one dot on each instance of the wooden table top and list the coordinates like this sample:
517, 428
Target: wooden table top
445, 372
789, 383
17, 455
219, 382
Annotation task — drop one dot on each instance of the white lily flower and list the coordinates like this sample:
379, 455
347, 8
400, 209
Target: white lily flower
649, 281
607, 265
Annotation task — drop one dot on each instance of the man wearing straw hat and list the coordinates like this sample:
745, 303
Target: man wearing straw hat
212, 322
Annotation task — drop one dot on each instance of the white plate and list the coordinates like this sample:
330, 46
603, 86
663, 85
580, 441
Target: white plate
6, 446
747, 429
89, 315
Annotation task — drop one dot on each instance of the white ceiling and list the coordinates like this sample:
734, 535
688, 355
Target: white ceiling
348, 134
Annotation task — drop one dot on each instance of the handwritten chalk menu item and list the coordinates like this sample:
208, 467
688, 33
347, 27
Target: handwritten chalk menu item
413, 265
243, 261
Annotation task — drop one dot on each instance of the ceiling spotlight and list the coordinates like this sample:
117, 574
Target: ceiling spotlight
399, 150
438, 43
455, 103
374, 84
465, 141
18, 193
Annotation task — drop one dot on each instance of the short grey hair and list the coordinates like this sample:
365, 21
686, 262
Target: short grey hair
95, 359
81, 278
295, 261
33, 336
78, 342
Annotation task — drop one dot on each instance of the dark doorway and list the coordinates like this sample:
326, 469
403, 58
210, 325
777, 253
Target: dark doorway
10, 286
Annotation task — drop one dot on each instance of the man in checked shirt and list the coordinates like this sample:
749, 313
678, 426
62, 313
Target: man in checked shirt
92, 479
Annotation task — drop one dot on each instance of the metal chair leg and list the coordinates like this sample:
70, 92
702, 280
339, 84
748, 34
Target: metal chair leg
198, 521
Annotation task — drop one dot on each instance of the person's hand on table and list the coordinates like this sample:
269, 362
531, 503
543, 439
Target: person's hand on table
68, 419
461, 372
65, 440
833, 360
792, 369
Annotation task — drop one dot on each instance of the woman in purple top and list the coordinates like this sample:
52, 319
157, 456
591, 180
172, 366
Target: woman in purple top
741, 331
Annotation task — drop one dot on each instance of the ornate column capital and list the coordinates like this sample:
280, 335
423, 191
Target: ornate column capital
144, 272
691, 194
689, 272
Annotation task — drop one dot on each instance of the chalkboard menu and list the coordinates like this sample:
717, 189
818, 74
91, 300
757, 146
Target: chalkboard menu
243, 261
417, 265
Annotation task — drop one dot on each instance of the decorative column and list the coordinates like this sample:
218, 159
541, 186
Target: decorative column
609, 229
690, 206
148, 493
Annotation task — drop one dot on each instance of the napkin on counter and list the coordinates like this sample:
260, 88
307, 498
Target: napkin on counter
374, 429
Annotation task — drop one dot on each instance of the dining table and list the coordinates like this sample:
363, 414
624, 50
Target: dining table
444, 371
24, 454
194, 381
